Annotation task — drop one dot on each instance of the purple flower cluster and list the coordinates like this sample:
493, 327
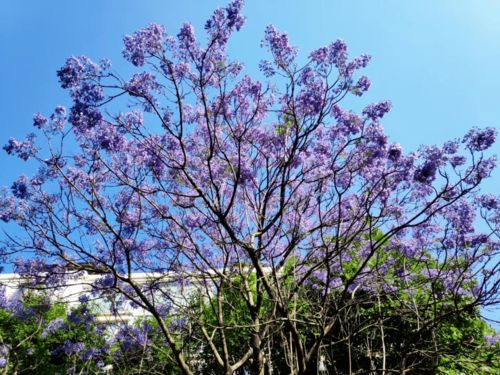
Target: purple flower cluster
76, 70
224, 20
489, 201
394, 153
40, 121
84, 117
376, 111
361, 86
20, 188
426, 173
492, 340
54, 326
335, 53
70, 347
129, 121
143, 43
356, 64
480, 139
277, 43
23, 149
81, 76
142, 84
348, 121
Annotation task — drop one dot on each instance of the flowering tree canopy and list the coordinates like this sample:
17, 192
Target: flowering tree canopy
204, 179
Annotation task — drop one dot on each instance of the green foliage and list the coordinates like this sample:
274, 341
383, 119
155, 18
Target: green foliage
469, 353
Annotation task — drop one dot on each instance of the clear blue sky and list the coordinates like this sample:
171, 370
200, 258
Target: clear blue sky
437, 61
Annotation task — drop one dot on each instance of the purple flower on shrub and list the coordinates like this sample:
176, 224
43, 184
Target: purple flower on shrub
53, 326
492, 339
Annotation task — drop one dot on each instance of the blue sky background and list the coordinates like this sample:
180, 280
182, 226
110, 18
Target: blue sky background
437, 61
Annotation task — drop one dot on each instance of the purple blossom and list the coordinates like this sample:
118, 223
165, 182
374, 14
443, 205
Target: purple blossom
395, 151
220, 26
77, 69
234, 17
22, 149
106, 281
451, 147
320, 56
11, 208
182, 70
337, 53
277, 43
311, 100
348, 121
20, 188
457, 160
106, 136
361, 86
267, 68
187, 39
426, 173
83, 299
357, 63
144, 42
479, 239
40, 121
58, 118
84, 117
3, 362
54, 326
489, 201
482, 170
377, 110
492, 340
130, 120
480, 139
486, 166
88, 93
70, 347
461, 216
229, 161
142, 84
91, 353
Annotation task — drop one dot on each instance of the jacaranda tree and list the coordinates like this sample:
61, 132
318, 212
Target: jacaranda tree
215, 185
